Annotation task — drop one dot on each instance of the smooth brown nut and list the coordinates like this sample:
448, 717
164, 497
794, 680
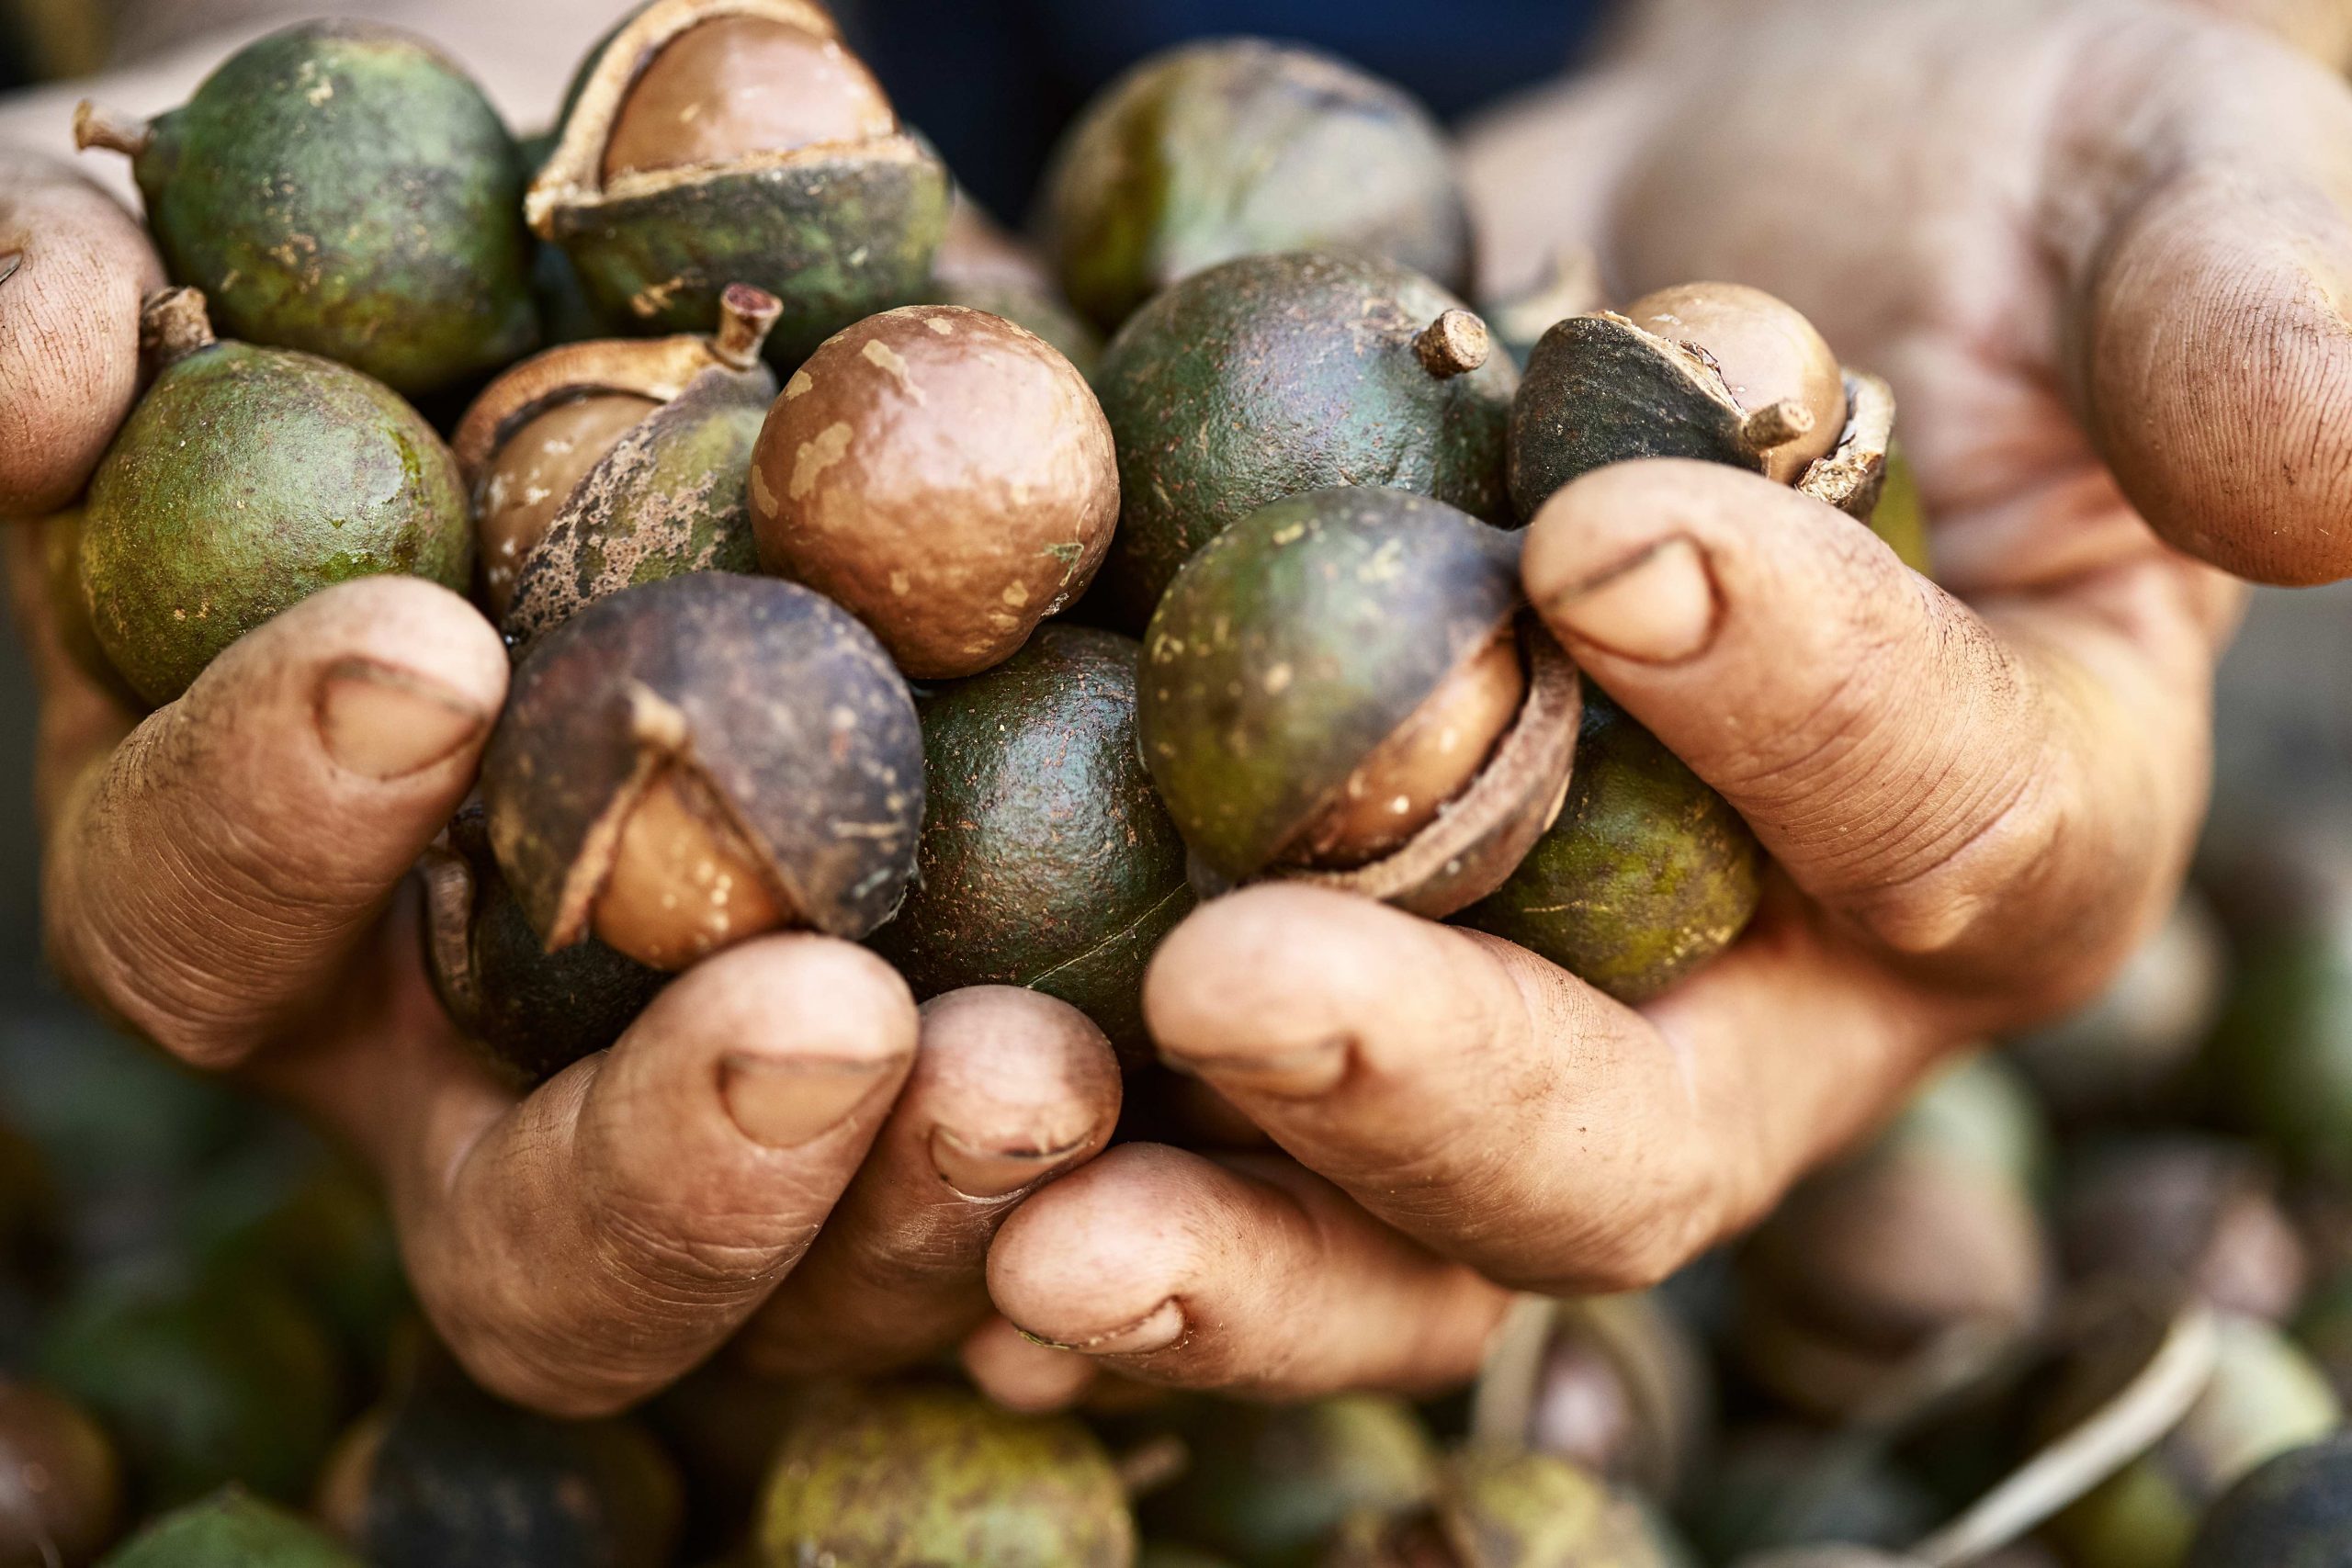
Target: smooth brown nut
945, 476
741, 85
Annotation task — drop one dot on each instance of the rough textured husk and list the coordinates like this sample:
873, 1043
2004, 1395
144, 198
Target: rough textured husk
910, 1477
670, 498
1269, 1484
1499, 1508
1272, 376
533, 1012
246, 480
231, 1530
1295, 644
458, 1480
341, 188
1647, 875
1853, 476
792, 715
1046, 860
1235, 147
835, 231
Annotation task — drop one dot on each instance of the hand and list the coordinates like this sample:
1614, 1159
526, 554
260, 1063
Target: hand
782, 1151
2099, 248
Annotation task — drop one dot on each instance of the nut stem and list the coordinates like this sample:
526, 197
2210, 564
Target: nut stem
745, 317
95, 125
173, 324
1455, 344
1776, 424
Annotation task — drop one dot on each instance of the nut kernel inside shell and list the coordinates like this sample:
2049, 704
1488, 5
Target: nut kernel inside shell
535, 472
1426, 763
734, 85
682, 884
1768, 353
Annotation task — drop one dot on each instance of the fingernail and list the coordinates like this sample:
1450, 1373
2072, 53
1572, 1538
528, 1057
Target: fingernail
383, 723
786, 1101
1658, 608
1156, 1330
981, 1173
1298, 1074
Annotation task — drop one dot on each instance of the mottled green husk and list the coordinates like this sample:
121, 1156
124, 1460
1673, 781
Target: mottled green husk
1295, 644
1276, 375
1268, 1485
61, 539
2264, 1399
671, 497
225, 1380
2294, 1512
835, 238
1497, 1508
341, 188
533, 1012
459, 1479
231, 1530
1647, 875
246, 480
909, 1477
1238, 147
1600, 390
1046, 860
793, 714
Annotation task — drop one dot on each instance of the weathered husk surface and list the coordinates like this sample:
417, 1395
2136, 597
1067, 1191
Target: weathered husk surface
1271, 376
1271, 1484
1237, 147
835, 231
446, 1476
1647, 875
670, 498
246, 480
533, 1012
787, 708
230, 1529
911, 1476
1600, 389
341, 188
1046, 858
1295, 644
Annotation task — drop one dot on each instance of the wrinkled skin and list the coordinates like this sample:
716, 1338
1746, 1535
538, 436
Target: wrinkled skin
2026, 214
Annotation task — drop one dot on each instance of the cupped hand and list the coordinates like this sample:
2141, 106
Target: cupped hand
2100, 248
783, 1151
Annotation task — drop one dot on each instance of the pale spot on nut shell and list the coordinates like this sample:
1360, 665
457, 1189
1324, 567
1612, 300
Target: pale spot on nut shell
941, 325
815, 457
885, 358
800, 386
1016, 595
761, 496
900, 584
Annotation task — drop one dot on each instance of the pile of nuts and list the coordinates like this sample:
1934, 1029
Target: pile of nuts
852, 590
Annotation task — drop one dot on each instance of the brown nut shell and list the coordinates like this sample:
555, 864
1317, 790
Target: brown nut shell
946, 475
738, 85
1767, 354
535, 474
769, 707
